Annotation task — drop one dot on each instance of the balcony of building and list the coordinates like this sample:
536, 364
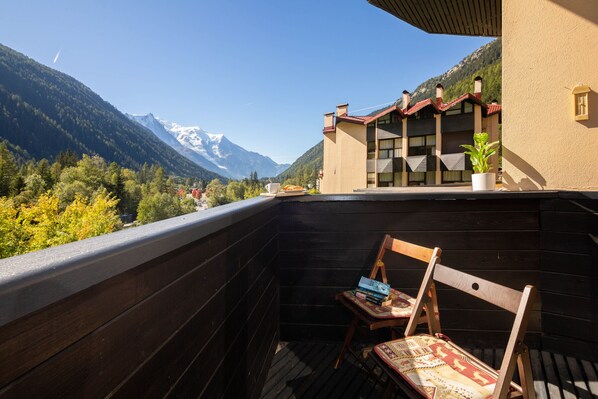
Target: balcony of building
198, 305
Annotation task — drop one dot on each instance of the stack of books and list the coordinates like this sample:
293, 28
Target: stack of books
373, 291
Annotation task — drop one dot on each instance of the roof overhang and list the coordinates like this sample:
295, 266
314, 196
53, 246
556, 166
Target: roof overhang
454, 17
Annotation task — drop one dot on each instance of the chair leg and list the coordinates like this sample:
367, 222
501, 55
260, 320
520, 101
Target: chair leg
526, 377
347, 342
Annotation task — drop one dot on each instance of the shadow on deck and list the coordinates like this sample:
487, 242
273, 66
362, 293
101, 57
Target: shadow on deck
304, 370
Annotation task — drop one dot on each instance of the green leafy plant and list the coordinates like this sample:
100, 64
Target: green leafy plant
480, 152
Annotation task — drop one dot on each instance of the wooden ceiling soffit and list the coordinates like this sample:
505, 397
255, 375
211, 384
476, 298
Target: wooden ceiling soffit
454, 17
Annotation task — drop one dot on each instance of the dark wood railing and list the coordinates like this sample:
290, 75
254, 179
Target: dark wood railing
548, 239
184, 307
195, 305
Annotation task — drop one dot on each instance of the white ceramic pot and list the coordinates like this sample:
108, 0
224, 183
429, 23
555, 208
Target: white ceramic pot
483, 181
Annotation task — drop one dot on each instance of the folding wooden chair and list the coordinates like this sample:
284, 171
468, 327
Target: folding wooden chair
432, 366
373, 317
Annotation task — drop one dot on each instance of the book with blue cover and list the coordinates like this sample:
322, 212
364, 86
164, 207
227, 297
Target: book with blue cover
374, 286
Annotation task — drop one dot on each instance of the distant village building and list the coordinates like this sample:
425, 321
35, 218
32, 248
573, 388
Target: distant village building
418, 144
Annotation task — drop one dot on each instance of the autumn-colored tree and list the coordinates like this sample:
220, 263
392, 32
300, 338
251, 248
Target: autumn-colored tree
41, 224
10, 229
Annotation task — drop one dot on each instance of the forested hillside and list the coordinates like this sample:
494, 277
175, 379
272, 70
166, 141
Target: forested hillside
304, 171
484, 62
44, 112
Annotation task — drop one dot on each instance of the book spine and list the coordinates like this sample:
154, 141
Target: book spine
378, 301
372, 293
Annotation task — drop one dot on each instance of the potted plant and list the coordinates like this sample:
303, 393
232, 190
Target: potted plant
479, 153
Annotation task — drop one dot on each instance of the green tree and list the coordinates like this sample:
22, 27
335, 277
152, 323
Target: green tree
8, 172
158, 206
216, 193
235, 191
67, 158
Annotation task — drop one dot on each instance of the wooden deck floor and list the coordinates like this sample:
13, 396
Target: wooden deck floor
304, 370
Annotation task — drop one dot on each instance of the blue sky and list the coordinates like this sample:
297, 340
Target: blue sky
261, 72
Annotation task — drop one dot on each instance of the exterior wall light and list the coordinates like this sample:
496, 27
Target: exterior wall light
581, 105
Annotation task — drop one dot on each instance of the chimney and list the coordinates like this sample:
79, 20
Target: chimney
477, 87
342, 109
439, 93
329, 121
406, 99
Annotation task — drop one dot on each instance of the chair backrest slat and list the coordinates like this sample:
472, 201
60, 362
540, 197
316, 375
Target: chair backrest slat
504, 297
412, 250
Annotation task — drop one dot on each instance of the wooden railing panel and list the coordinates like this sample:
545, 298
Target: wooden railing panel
569, 274
138, 333
326, 246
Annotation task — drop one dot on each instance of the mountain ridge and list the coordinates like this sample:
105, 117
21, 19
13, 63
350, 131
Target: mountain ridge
212, 151
44, 111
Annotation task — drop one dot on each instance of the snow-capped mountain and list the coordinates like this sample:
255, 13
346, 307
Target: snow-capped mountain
211, 151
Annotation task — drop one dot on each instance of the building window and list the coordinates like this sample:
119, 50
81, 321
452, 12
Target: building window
384, 120
425, 113
422, 145
456, 176
461, 108
371, 149
422, 178
385, 179
454, 110
417, 178
371, 180
398, 179
389, 148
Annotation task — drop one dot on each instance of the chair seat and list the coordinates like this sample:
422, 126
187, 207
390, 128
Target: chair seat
437, 369
401, 306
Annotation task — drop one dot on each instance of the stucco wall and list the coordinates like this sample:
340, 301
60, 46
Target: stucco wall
329, 178
549, 46
345, 161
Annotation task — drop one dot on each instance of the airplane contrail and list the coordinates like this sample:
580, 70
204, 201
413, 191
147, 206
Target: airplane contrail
57, 55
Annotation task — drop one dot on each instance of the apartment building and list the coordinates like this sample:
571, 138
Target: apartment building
417, 144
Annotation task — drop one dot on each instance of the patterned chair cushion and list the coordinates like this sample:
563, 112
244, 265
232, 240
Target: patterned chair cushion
401, 306
436, 369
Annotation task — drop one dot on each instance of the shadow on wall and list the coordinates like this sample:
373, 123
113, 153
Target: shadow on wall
533, 180
583, 8
593, 102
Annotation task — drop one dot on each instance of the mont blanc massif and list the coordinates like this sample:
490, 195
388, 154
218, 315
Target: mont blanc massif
213, 152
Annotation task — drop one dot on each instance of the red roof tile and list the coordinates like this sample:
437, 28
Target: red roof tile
420, 105
491, 109
461, 98
351, 119
385, 111
494, 109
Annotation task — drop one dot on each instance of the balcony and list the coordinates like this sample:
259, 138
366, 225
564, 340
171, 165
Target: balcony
197, 305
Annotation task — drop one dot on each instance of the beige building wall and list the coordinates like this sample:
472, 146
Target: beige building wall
345, 155
490, 126
329, 177
549, 46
